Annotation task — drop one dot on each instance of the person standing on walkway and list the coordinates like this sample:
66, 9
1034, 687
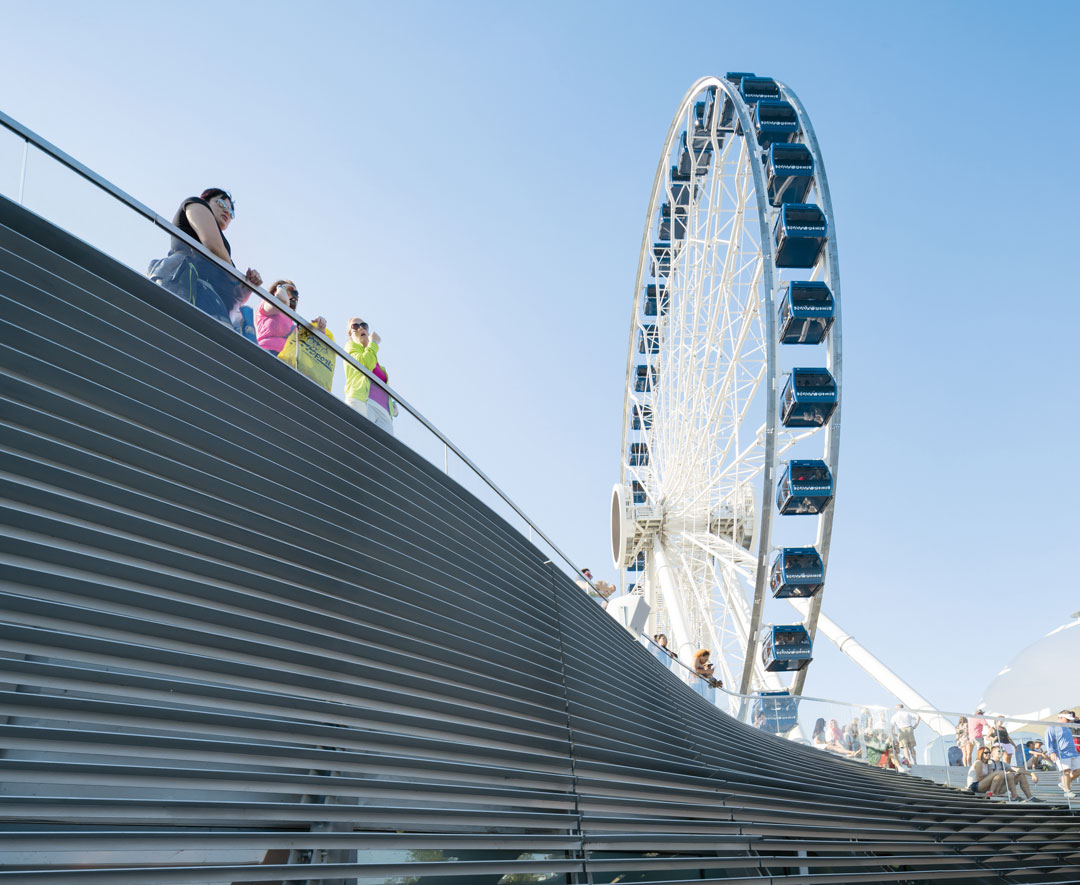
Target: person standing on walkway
1063, 753
904, 722
977, 727
189, 275
370, 400
963, 741
1001, 735
273, 326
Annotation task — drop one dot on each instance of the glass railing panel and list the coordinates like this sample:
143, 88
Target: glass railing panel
413, 433
80, 207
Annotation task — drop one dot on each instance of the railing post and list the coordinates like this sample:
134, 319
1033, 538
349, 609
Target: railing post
22, 172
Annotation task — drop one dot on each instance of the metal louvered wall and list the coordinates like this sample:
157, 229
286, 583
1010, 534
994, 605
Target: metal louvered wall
247, 637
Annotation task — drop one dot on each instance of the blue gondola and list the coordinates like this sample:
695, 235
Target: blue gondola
785, 647
656, 300
790, 169
638, 456
645, 379
676, 174
799, 234
641, 417
754, 89
796, 571
661, 259
736, 77
638, 565
696, 161
809, 398
727, 114
703, 139
806, 313
703, 110
681, 193
638, 491
673, 225
805, 487
776, 712
775, 121
648, 341
703, 114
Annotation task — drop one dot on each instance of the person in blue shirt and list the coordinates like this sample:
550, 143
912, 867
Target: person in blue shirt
1063, 752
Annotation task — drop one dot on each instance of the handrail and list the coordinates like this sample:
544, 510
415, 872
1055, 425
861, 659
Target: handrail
31, 137
112, 190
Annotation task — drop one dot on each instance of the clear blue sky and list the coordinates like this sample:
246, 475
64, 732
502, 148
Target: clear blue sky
473, 178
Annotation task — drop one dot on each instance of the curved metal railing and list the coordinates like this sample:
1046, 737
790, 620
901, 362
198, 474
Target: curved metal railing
723, 698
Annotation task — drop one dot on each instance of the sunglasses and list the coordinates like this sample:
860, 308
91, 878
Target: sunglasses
227, 206
363, 326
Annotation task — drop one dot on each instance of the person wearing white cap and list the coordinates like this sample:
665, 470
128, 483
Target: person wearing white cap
1063, 752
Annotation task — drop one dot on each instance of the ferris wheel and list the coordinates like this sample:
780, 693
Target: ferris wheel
730, 437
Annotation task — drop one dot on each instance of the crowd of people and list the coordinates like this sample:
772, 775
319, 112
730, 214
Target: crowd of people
884, 743
989, 751
191, 276
996, 764
1061, 752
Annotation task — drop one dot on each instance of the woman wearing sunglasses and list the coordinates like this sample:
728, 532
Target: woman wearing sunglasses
368, 399
272, 326
188, 274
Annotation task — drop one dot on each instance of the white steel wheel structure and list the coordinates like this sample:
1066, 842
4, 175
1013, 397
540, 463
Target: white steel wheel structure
739, 219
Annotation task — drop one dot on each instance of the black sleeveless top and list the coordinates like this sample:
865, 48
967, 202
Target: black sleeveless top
180, 220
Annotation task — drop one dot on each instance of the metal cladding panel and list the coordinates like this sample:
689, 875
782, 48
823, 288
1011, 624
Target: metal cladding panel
214, 668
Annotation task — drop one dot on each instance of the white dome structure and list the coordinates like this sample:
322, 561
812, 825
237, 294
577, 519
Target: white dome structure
1039, 680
